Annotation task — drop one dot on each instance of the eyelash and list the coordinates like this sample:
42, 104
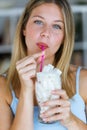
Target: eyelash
39, 22
56, 26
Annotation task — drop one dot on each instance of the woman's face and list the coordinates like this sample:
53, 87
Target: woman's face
44, 27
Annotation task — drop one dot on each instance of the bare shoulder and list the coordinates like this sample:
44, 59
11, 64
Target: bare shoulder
83, 84
5, 93
6, 115
4, 90
3, 87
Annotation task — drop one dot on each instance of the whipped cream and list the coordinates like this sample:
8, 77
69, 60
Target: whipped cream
47, 80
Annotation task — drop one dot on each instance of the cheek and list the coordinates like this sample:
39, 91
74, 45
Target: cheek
58, 40
30, 39
30, 36
55, 44
30, 33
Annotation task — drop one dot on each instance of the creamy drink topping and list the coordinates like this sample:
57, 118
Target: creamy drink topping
47, 80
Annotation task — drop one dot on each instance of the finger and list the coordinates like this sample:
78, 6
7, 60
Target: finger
39, 60
53, 118
56, 102
27, 57
56, 110
61, 114
37, 55
22, 60
51, 112
26, 62
62, 93
27, 69
28, 75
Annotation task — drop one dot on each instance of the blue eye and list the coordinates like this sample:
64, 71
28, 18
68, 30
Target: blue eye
56, 26
38, 22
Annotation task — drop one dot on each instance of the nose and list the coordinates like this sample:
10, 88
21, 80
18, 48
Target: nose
46, 32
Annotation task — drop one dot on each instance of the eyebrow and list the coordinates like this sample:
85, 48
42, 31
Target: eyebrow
38, 16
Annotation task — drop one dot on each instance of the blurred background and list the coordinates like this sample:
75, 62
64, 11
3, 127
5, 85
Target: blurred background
10, 11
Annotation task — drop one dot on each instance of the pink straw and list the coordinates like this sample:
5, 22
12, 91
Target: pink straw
42, 59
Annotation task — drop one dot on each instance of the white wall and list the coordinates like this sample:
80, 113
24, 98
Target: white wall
75, 1
21, 2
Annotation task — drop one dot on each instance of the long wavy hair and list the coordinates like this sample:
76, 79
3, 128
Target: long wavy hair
62, 56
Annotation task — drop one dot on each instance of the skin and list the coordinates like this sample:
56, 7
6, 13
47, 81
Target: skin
41, 27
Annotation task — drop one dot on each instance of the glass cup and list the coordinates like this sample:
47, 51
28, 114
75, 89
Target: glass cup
46, 82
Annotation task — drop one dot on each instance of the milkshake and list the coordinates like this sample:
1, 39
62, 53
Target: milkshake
47, 80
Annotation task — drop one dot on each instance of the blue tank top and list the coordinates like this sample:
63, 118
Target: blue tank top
77, 108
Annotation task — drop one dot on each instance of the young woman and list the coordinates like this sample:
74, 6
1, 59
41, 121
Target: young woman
48, 23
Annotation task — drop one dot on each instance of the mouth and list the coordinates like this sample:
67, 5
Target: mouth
42, 45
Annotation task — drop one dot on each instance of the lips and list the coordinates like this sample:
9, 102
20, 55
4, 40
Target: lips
42, 45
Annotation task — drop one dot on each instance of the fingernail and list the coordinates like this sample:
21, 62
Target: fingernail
41, 104
40, 58
53, 91
43, 52
45, 119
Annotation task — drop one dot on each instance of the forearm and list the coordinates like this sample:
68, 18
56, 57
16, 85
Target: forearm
24, 115
76, 124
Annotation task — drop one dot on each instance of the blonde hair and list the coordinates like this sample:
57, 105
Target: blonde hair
62, 56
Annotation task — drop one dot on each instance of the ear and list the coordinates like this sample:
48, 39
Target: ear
24, 32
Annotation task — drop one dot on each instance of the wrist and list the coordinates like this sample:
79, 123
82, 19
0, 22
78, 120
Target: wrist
72, 124
69, 124
27, 94
27, 90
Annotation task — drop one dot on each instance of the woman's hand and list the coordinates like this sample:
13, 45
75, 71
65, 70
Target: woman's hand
26, 69
59, 108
